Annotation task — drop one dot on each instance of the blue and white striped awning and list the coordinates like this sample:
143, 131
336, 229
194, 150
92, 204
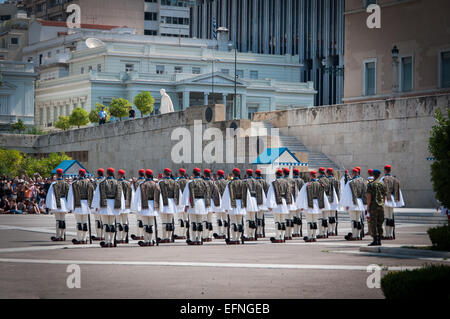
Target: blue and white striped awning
291, 164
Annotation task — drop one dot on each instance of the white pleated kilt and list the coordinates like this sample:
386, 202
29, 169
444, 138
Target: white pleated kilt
199, 207
358, 207
84, 209
392, 203
335, 206
315, 210
64, 207
109, 210
281, 209
252, 204
171, 207
292, 207
125, 211
238, 210
150, 211
213, 208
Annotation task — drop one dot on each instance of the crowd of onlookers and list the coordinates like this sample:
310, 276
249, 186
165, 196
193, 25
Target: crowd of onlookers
23, 195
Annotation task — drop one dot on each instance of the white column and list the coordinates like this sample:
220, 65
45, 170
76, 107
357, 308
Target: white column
224, 99
205, 99
186, 99
244, 112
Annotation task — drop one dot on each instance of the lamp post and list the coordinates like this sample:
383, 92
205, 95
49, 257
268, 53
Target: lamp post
212, 79
230, 45
395, 77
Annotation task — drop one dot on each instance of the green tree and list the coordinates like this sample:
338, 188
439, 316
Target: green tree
79, 117
19, 126
439, 146
144, 102
49, 163
119, 107
63, 123
93, 115
10, 162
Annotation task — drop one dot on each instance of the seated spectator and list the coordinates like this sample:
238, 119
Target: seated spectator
5, 207
32, 207
42, 207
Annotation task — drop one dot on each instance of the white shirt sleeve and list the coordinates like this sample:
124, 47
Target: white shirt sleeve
70, 199
271, 202
96, 198
226, 202
50, 200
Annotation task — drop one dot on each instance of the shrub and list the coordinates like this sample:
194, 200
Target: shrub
144, 102
79, 117
63, 123
119, 107
431, 281
440, 237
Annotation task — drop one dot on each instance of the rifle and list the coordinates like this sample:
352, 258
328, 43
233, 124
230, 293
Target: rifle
242, 234
301, 225
393, 227
188, 226
89, 223
264, 225
126, 239
336, 227
115, 232
228, 228
256, 229
173, 228
362, 223
156, 231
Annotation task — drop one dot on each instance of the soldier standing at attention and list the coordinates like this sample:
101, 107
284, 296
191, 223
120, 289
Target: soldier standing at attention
215, 206
182, 215
376, 196
170, 193
323, 217
333, 198
139, 224
370, 179
122, 224
353, 201
109, 200
56, 203
97, 217
394, 198
297, 218
197, 197
221, 215
255, 190
146, 201
261, 204
279, 197
79, 201
234, 202
292, 207
313, 201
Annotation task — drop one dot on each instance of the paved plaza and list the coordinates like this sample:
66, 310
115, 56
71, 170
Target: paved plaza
31, 266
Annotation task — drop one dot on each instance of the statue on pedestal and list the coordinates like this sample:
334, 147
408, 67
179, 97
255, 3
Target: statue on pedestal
166, 103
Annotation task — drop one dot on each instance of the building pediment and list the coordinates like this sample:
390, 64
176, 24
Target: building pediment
6, 86
219, 79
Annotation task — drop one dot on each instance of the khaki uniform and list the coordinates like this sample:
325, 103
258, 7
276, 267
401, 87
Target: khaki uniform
221, 215
377, 191
97, 217
297, 217
170, 193
139, 222
235, 203
214, 207
393, 199
292, 209
182, 217
279, 198
56, 203
122, 222
256, 196
323, 219
261, 207
354, 198
81, 194
333, 193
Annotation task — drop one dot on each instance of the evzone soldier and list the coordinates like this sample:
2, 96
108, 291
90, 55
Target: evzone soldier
99, 235
122, 223
376, 196
352, 200
197, 198
170, 196
370, 179
213, 208
56, 203
292, 207
182, 215
255, 191
333, 198
344, 180
323, 217
109, 200
79, 201
221, 215
279, 197
139, 224
313, 201
260, 222
297, 218
234, 202
394, 199
147, 201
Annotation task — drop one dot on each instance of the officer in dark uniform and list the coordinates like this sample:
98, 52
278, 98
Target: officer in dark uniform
376, 195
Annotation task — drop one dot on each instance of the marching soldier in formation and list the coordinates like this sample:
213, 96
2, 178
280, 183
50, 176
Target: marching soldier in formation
56, 203
234, 202
297, 218
79, 200
214, 207
109, 200
147, 201
376, 196
394, 198
333, 195
99, 235
139, 224
352, 200
313, 200
170, 195
279, 197
262, 199
197, 198
221, 215
323, 217
292, 208
182, 215
255, 191
122, 224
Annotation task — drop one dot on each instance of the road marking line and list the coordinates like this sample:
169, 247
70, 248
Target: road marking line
366, 253
198, 264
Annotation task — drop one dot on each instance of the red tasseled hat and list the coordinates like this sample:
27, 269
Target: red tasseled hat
296, 171
322, 169
388, 167
59, 171
82, 171
329, 170
249, 172
182, 171
142, 171
237, 171
121, 172
110, 170
258, 171
167, 171
370, 171
197, 170
286, 170
207, 171
220, 172
279, 171
148, 172
313, 173
101, 171
355, 170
